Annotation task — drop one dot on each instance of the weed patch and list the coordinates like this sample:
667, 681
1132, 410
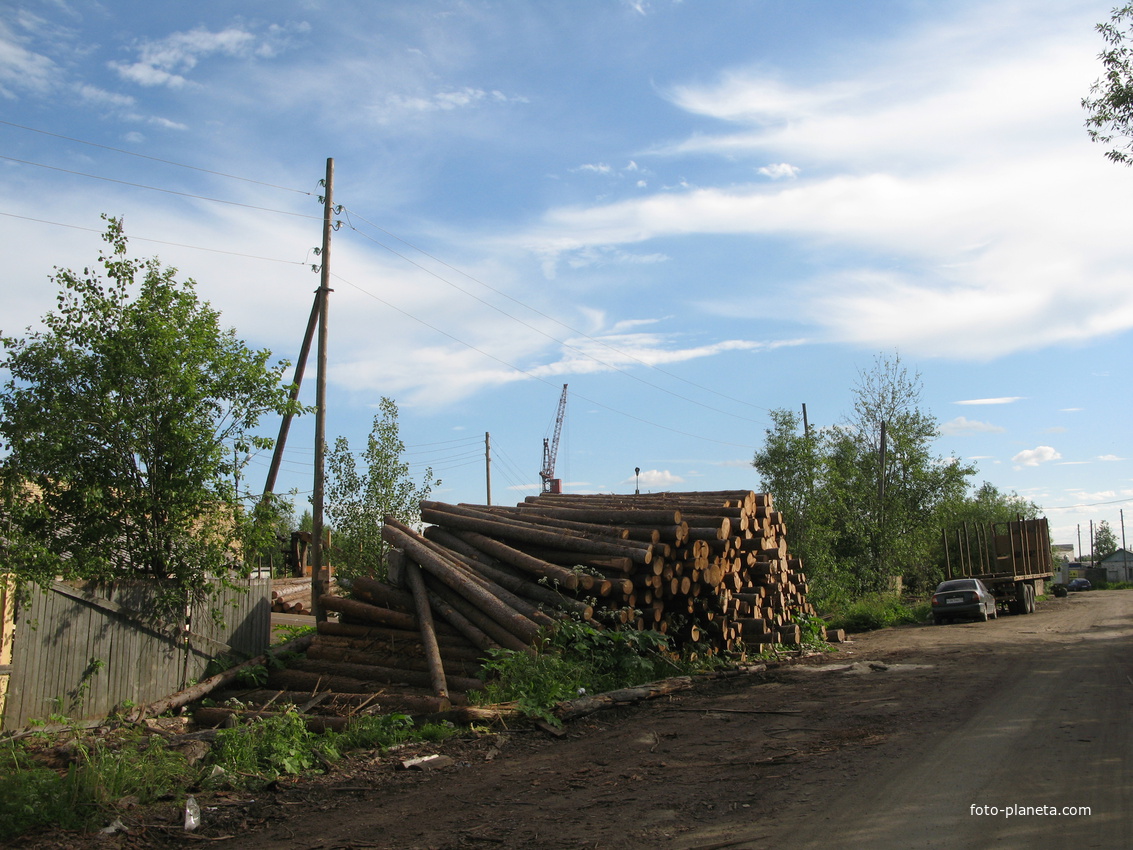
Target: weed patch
878, 612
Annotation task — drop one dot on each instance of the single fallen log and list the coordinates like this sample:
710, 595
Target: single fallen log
571, 709
211, 717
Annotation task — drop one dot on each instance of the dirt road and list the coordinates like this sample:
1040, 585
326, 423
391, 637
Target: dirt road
889, 743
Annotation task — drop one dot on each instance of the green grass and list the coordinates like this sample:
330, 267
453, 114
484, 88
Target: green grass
878, 612
126, 765
79, 796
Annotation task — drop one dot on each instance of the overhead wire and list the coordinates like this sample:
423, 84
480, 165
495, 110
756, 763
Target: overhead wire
155, 159
134, 238
539, 312
531, 375
159, 189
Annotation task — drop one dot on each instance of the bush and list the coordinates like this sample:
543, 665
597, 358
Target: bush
575, 658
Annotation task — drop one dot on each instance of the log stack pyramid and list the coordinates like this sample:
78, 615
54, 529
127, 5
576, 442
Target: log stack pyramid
709, 569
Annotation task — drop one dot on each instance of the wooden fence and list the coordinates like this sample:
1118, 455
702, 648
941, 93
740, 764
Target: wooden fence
80, 649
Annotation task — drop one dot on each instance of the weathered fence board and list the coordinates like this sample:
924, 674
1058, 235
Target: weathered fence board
80, 650
7, 626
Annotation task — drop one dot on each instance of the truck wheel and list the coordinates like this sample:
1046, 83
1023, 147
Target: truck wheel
1018, 604
1030, 599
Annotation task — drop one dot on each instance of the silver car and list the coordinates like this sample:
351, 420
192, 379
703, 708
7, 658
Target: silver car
963, 598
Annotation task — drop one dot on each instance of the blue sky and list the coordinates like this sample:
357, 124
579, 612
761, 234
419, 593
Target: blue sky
689, 212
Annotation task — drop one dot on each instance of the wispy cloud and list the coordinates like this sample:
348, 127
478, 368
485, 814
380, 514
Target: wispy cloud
167, 61
400, 105
962, 425
23, 70
1002, 400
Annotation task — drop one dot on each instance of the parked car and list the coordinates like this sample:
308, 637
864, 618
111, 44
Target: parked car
1079, 584
963, 598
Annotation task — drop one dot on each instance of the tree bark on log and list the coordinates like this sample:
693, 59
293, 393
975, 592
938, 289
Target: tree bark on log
516, 558
469, 520
388, 675
456, 603
582, 706
370, 613
428, 636
457, 579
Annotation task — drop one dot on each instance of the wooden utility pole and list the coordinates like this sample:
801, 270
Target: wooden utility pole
488, 464
319, 582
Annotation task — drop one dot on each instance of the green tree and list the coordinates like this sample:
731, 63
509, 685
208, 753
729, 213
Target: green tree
1110, 102
788, 465
124, 422
867, 515
901, 489
359, 499
1105, 541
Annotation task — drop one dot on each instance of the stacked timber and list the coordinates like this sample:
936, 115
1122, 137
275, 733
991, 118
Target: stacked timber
385, 644
709, 570
291, 596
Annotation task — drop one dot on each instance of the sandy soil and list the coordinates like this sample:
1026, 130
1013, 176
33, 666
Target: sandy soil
887, 743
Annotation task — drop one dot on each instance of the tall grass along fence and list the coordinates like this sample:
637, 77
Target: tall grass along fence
82, 650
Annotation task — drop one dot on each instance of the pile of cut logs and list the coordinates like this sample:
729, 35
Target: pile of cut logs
707, 569
291, 596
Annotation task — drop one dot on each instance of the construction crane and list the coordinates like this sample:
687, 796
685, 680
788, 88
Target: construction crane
551, 449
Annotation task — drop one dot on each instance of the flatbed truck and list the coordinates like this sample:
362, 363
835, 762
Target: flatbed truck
1012, 559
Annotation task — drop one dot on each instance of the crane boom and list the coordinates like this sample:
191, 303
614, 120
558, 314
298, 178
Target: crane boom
551, 450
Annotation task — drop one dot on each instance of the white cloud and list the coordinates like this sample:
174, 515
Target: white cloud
399, 105
1003, 400
961, 425
100, 97
926, 173
1110, 457
655, 478
778, 171
1035, 456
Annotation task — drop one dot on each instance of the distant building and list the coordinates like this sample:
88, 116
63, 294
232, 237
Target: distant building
1118, 566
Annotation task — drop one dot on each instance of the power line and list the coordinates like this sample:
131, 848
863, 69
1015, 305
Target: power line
159, 241
561, 342
156, 159
159, 189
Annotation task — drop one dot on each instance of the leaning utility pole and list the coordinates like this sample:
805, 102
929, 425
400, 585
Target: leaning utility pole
296, 384
319, 583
